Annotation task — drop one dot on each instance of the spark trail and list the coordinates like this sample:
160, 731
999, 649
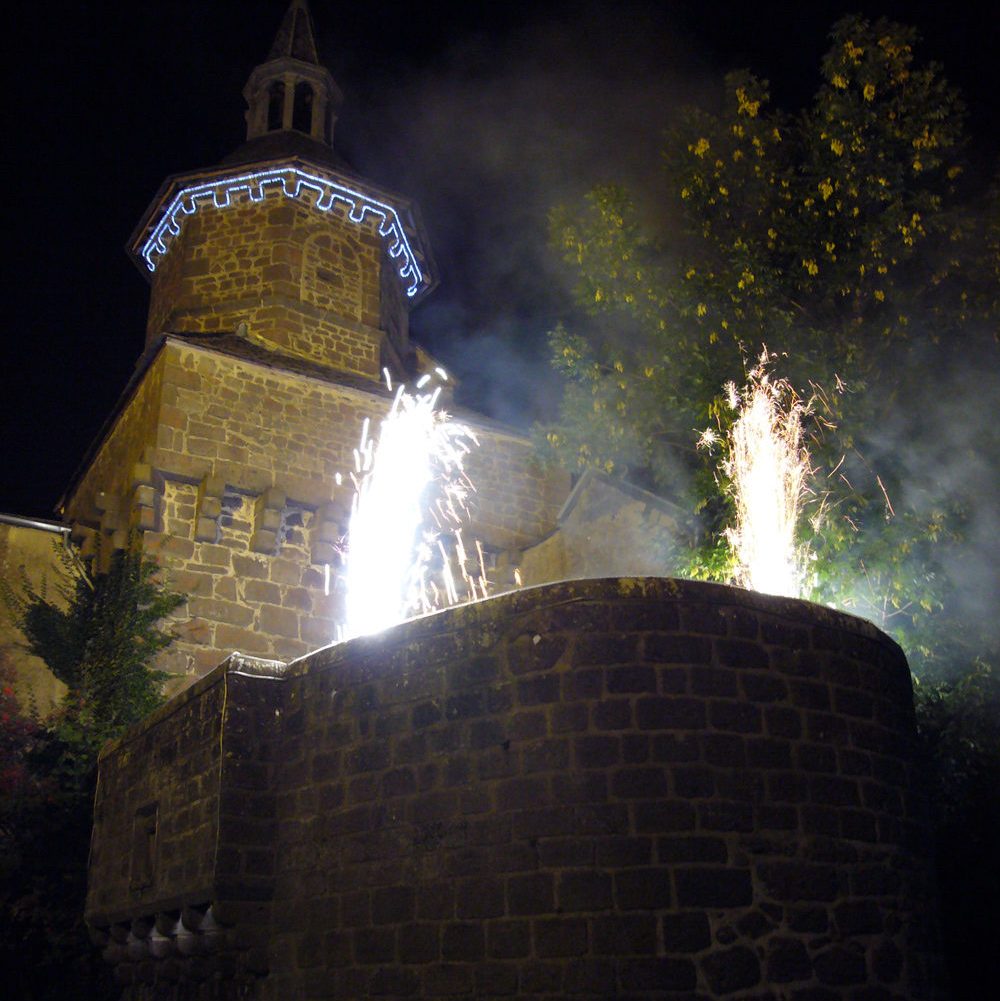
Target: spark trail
411, 493
767, 468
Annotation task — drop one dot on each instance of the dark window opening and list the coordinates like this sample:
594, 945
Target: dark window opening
142, 869
302, 110
276, 106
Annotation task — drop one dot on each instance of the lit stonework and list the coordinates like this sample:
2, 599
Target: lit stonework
281, 284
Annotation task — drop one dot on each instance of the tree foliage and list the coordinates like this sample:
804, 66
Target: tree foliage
98, 632
840, 238
959, 725
845, 238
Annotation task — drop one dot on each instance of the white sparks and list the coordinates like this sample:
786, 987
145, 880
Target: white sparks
410, 486
768, 468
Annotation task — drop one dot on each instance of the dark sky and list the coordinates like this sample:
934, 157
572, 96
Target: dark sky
486, 113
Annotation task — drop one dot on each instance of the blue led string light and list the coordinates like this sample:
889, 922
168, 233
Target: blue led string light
294, 183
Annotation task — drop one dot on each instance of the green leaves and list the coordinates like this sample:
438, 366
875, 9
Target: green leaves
99, 635
837, 238
98, 632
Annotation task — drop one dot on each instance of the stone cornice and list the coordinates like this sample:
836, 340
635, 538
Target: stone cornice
185, 195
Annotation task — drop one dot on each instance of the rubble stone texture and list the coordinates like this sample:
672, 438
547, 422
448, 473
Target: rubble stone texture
633, 787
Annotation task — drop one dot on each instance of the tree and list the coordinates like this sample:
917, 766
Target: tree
844, 239
98, 633
837, 237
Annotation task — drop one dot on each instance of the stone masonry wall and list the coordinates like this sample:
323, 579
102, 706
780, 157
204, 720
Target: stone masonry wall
112, 469
303, 280
608, 529
167, 772
631, 788
237, 466
32, 551
184, 817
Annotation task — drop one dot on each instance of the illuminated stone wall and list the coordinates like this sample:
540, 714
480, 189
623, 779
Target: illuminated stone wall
228, 467
32, 552
605, 528
634, 788
307, 283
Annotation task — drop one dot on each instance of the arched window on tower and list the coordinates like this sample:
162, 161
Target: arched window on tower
275, 106
302, 110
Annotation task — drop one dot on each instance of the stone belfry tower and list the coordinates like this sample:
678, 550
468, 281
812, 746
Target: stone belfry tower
284, 236
281, 283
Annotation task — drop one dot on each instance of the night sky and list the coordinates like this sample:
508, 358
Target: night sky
486, 114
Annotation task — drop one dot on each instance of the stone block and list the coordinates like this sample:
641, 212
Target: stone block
731, 970
669, 713
643, 889
327, 531
799, 880
482, 897
560, 937
840, 966
858, 917
206, 529
669, 649
393, 905
265, 542
144, 519
144, 495
142, 475
710, 886
593, 977
324, 554
463, 941
533, 893
374, 945
658, 976
686, 932
279, 621
787, 960
508, 939
585, 890
267, 520
419, 943
639, 783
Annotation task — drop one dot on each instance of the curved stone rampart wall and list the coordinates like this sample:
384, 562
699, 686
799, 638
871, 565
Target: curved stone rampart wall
637, 788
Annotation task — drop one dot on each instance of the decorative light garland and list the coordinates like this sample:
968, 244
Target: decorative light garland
294, 183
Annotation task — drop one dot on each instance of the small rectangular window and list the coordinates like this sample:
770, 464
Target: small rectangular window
142, 870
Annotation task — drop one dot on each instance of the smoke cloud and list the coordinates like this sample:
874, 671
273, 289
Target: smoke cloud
497, 132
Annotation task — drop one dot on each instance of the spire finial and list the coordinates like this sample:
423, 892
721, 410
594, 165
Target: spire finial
292, 91
296, 37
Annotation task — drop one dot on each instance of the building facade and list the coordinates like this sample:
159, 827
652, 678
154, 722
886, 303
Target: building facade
281, 283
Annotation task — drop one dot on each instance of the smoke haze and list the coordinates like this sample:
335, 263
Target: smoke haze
499, 131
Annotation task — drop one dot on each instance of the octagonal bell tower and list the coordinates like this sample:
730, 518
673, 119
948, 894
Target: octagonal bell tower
283, 241
292, 90
281, 285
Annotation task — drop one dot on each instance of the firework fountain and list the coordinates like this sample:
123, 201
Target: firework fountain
767, 469
353, 743
411, 495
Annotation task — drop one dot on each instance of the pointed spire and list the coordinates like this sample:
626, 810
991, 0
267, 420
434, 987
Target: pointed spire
292, 92
296, 37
